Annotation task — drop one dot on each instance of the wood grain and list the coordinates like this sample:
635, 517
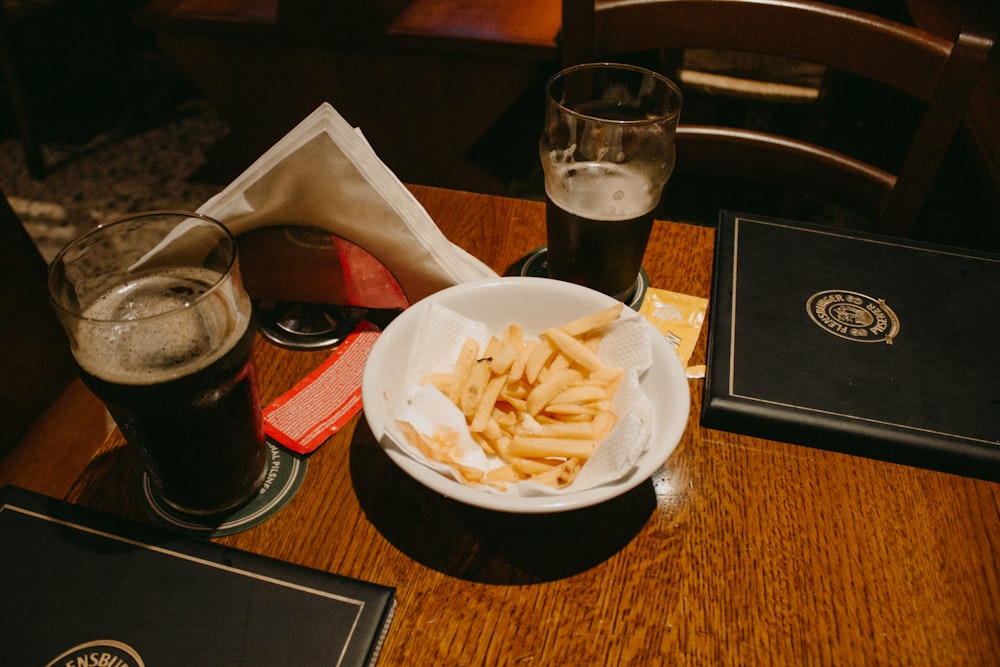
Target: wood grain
738, 551
504, 26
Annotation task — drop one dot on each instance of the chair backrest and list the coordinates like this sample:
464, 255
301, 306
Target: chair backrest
936, 71
342, 23
35, 361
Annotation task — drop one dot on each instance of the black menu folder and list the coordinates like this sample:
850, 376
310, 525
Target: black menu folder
85, 588
858, 343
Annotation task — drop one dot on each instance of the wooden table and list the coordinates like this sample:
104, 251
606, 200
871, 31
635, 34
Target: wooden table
739, 551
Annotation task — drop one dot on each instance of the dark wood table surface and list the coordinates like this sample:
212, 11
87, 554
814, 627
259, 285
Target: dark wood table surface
738, 551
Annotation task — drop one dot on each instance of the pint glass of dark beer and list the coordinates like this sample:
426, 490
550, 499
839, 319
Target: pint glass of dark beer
161, 329
607, 150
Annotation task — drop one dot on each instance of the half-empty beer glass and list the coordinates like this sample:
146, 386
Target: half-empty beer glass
162, 329
607, 150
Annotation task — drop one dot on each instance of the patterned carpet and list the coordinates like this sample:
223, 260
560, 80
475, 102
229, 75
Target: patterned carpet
113, 174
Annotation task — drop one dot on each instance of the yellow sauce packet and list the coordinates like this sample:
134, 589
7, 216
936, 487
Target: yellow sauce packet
678, 316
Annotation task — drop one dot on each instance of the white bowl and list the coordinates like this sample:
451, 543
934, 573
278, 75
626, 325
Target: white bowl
535, 304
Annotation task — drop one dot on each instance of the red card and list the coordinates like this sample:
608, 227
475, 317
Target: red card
305, 416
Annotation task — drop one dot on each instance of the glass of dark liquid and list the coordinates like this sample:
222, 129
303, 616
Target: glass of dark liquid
161, 329
607, 150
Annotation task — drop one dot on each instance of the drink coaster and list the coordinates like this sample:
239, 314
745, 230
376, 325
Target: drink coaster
284, 476
535, 265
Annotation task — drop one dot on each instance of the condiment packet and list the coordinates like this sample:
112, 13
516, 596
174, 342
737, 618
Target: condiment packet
435, 348
679, 317
319, 405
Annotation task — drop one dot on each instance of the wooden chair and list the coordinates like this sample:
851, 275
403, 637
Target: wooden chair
35, 364
931, 69
40, 397
11, 78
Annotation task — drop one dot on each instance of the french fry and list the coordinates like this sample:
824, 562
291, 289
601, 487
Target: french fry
581, 393
541, 406
608, 375
484, 409
554, 383
468, 473
485, 444
505, 420
602, 424
513, 336
529, 446
521, 360
568, 409
472, 393
493, 347
561, 475
531, 467
518, 404
540, 356
503, 359
559, 362
505, 473
589, 323
574, 349
577, 430
466, 357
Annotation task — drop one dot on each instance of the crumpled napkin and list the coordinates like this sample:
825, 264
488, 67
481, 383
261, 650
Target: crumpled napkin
324, 174
435, 348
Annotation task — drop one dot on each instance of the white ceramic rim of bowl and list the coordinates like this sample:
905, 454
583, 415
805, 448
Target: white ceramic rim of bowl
383, 383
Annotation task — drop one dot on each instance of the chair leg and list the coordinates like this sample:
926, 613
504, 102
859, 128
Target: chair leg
32, 149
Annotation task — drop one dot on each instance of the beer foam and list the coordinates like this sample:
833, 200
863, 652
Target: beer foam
148, 329
601, 190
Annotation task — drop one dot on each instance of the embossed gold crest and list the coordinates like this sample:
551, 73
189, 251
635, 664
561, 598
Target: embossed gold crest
853, 316
100, 653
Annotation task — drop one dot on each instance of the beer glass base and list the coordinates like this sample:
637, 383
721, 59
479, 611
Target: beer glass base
305, 326
283, 476
535, 265
209, 514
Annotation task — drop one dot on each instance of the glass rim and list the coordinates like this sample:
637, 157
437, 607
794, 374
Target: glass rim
672, 86
74, 313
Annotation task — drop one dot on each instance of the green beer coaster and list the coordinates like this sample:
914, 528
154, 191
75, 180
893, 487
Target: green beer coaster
535, 265
284, 476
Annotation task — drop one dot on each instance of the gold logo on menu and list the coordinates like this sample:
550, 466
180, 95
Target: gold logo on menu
100, 653
853, 316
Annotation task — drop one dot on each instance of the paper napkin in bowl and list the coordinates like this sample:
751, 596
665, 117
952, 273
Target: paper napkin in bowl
435, 347
324, 174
